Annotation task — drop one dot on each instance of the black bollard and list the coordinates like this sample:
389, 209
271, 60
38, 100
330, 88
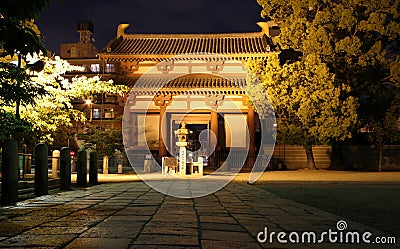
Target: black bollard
65, 168
41, 169
9, 183
93, 168
81, 169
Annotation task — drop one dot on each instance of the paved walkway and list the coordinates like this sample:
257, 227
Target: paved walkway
132, 215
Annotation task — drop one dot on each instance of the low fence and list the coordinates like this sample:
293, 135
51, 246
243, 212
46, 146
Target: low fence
292, 157
366, 157
26, 165
356, 157
235, 160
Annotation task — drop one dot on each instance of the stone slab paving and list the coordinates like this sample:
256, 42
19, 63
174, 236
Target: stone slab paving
131, 215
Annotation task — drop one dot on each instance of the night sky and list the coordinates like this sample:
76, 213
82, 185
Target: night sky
58, 21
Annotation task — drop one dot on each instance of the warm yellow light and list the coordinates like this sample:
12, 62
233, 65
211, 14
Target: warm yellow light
88, 102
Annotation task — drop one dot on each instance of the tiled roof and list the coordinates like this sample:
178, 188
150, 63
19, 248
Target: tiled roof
227, 44
188, 82
129, 47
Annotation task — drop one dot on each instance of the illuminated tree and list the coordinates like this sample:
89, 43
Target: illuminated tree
16, 87
19, 36
309, 107
54, 109
358, 41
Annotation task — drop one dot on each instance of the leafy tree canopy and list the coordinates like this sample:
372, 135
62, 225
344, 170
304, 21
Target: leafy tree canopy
15, 85
358, 40
355, 41
107, 142
12, 127
17, 29
309, 106
54, 109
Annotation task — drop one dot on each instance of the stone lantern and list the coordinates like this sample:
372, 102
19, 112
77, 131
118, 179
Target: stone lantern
182, 144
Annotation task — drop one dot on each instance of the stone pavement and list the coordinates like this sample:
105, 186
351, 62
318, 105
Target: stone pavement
132, 215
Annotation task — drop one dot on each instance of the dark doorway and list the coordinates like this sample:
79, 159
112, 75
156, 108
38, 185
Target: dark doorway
195, 142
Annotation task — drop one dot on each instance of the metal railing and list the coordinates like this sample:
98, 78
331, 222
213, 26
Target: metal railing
27, 165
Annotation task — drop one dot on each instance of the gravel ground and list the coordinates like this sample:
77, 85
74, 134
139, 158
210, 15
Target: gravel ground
371, 198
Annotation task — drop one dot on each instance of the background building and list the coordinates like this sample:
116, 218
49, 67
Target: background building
103, 110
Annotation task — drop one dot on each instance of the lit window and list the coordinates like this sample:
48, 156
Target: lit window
109, 68
95, 68
74, 52
109, 113
96, 113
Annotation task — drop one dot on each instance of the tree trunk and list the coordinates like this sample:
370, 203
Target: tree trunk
380, 154
310, 157
17, 109
18, 102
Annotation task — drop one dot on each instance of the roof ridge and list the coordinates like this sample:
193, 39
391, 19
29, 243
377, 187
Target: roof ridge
195, 35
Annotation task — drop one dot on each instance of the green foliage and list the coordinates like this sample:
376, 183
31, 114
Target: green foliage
53, 110
20, 35
310, 108
358, 41
17, 31
12, 127
16, 86
384, 126
106, 142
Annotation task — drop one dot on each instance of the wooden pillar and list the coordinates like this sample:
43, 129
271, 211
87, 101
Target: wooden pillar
162, 100
213, 100
214, 128
252, 136
133, 130
162, 149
